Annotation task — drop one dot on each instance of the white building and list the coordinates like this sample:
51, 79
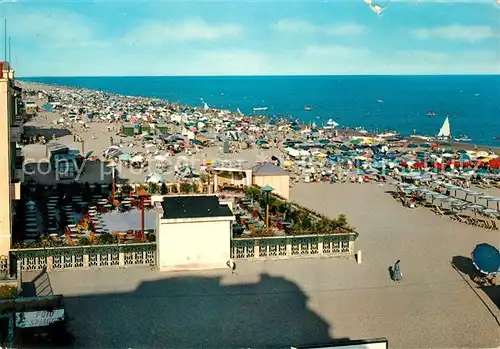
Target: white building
193, 232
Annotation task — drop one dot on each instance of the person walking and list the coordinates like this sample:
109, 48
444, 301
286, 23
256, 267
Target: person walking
231, 265
398, 275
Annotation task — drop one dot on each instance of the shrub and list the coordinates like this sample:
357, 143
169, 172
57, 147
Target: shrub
185, 188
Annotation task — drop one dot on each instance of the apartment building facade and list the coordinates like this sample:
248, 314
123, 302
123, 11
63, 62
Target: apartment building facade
11, 157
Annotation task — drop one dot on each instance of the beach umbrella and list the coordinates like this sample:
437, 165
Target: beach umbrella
137, 158
154, 178
359, 171
125, 157
89, 154
161, 158
486, 258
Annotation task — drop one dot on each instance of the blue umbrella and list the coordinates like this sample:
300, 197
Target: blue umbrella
125, 156
486, 258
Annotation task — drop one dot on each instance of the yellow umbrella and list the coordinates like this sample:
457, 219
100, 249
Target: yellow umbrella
288, 163
321, 155
209, 162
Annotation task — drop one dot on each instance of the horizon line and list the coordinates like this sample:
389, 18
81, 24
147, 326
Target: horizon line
253, 76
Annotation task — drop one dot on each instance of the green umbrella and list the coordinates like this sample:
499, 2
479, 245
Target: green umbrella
89, 154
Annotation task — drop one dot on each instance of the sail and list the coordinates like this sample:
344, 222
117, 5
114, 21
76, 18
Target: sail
445, 129
330, 122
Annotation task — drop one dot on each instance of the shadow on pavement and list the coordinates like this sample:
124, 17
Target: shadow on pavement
94, 171
187, 312
465, 266
46, 132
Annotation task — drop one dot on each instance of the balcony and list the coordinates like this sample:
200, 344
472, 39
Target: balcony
15, 191
15, 133
18, 120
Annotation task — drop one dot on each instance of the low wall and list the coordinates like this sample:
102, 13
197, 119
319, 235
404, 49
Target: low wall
78, 257
305, 246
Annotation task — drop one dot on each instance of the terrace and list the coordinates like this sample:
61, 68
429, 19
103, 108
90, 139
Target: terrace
73, 215
268, 226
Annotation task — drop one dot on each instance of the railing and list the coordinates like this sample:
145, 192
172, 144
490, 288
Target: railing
79, 257
293, 246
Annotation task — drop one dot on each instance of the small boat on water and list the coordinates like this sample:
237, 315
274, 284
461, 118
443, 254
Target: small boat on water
463, 138
380, 101
431, 113
260, 108
307, 108
387, 134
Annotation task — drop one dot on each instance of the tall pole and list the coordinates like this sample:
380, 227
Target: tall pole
112, 185
142, 216
10, 49
5, 39
267, 211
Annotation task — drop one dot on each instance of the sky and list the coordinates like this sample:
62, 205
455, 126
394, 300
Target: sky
301, 37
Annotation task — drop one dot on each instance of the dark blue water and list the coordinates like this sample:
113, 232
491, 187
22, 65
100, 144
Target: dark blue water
471, 102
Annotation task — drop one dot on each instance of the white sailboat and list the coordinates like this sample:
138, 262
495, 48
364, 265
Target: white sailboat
445, 131
330, 124
205, 105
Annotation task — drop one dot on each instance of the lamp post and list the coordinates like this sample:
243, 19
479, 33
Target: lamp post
267, 189
112, 164
142, 194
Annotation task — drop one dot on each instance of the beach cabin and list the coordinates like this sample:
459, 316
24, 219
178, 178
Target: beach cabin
145, 128
162, 127
194, 233
269, 174
128, 130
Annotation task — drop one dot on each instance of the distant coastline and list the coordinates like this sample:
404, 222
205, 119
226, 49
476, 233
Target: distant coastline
350, 100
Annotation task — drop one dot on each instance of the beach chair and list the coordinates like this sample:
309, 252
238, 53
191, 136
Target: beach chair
437, 210
460, 219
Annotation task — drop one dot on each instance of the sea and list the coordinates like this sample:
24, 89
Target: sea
376, 103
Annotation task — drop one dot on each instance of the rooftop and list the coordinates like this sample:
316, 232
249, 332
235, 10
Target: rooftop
268, 169
179, 207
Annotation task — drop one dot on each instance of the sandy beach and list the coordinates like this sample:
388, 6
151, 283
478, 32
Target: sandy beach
96, 137
303, 300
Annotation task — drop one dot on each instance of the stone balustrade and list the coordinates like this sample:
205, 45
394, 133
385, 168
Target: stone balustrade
94, 256
293, 246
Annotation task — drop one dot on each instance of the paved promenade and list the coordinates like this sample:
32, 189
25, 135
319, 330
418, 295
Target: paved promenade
279, 303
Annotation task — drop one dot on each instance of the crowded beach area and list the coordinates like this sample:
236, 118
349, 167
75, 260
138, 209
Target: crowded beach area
427, 203
157, 140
